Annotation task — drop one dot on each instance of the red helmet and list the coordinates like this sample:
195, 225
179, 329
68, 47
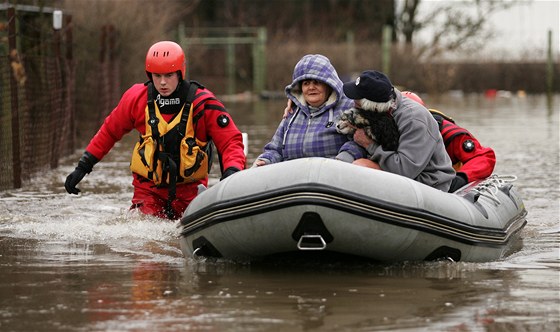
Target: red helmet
413, 96
165, 57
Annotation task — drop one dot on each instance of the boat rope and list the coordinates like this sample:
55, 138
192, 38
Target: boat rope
489, 187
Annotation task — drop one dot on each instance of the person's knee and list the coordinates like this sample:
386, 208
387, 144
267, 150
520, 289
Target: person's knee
149, 209
366, 163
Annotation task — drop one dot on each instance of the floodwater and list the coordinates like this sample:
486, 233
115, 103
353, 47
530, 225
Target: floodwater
84, 263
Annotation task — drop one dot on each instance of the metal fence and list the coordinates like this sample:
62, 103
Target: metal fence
40, 82
36, 99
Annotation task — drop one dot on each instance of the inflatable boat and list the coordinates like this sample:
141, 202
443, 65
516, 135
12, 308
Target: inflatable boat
319, 206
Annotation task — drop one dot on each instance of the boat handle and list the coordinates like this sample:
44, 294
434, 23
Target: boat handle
313, 244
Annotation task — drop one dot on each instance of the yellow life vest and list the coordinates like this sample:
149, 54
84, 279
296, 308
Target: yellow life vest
439, 114
151, 160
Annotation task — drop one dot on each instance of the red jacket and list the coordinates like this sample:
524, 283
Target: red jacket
477, 161
130, 114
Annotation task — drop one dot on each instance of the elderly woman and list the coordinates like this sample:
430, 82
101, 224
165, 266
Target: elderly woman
309, 130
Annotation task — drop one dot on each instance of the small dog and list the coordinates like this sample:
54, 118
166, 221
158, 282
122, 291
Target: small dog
379, 126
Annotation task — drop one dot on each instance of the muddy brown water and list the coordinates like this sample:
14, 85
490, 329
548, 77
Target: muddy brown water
84, 263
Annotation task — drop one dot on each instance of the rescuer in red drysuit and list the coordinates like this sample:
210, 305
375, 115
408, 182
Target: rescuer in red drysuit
178, 121
471, 160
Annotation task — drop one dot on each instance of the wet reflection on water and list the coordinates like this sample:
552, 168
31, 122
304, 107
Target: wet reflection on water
84, 263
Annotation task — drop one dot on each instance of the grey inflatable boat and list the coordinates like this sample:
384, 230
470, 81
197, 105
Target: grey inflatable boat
319, 206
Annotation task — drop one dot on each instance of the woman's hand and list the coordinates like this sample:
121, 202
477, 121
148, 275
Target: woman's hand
259, 162
362, 139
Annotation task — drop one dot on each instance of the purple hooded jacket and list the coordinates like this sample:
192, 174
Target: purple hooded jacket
312, 132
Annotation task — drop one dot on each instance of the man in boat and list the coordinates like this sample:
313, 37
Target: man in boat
470, 159
421, 152
177, 120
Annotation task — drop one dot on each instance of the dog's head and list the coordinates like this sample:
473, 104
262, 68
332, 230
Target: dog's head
378, 125
346, 124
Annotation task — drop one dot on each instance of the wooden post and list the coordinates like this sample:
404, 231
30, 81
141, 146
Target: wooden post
259, 61
68, 37
386, 50
12, 45
549, 66
182, 40
550, 77
56, 138
351, 52
70, 85
230, 60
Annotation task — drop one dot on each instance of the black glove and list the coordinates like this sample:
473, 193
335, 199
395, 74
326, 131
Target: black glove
459, 181
229, 171
85, 165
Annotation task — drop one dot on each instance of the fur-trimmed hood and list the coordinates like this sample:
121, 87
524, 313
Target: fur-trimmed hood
316, 67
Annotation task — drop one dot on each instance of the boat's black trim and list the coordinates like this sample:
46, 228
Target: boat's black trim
352, 203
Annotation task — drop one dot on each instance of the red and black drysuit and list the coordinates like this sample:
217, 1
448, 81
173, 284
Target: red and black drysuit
471, 160
211, 123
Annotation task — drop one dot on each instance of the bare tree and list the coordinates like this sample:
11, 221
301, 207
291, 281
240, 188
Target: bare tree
456, 25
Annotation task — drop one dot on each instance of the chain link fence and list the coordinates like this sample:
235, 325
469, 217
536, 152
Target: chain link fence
35, 103
39, 89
